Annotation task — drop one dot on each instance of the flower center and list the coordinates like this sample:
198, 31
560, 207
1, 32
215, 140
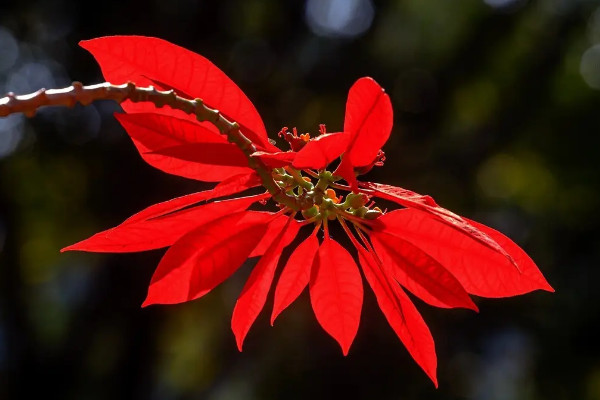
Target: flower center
318, 190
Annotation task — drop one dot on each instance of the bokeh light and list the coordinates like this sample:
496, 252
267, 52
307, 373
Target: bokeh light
590, 66
339, 18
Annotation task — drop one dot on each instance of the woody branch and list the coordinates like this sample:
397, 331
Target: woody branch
77, 93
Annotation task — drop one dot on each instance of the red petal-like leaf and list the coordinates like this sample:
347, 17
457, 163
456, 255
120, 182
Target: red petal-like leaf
253, 296
368, 122
525, 263
401, 314
427, 205
153, 132
322, 150
480, 270
336, 293
147, 60
235, 184
162, 224
275, 160
418, 272
205, 257
272, 231
346, 171
295, 276
221, 154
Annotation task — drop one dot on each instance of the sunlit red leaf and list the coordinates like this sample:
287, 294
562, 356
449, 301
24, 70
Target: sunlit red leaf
481, 270
147, 60
153, 132
205, 257
419, 273
220, 154
401, 314
254, 294
525, 263
336, 293
346, 171
162, 224
368, 121
272, 231
322, 150
235, 184
427, 205
295, 275
275, 160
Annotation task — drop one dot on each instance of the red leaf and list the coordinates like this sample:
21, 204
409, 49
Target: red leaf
275, 160
235, 184
480, 270
151, 132
420, 273
162, 224
205, 257
346, 171
253, 296
147, 60
368, 121
401, 314
525, 263
272, 231
295, 276
336, 293
322, 150
427, 205
221, 154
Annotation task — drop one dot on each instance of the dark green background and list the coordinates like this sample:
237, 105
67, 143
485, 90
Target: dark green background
496, 116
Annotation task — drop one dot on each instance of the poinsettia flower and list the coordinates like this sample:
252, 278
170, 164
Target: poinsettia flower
435, 254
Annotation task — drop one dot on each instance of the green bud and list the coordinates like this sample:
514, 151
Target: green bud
372, 214
361, 211
356, 200
310, 212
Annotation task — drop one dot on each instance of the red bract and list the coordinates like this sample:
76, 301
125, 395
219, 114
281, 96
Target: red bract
438, 256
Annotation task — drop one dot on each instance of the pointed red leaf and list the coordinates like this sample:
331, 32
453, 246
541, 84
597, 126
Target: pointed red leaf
220, 154
295, 275
418, 272
525, 263
427, 205
346, 171
401, 314
205, 257
254, 294
368, 121
236, 184
480, 270
155, 227
275, 160
336, 293
153, 132
272, 231
147, 60
322, 150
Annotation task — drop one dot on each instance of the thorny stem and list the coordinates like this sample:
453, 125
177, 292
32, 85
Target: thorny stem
77, 93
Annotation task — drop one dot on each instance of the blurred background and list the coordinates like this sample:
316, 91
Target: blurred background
496, 116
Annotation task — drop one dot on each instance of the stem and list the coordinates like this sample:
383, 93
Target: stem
345, 214
299, 179
77, 93
332, 184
